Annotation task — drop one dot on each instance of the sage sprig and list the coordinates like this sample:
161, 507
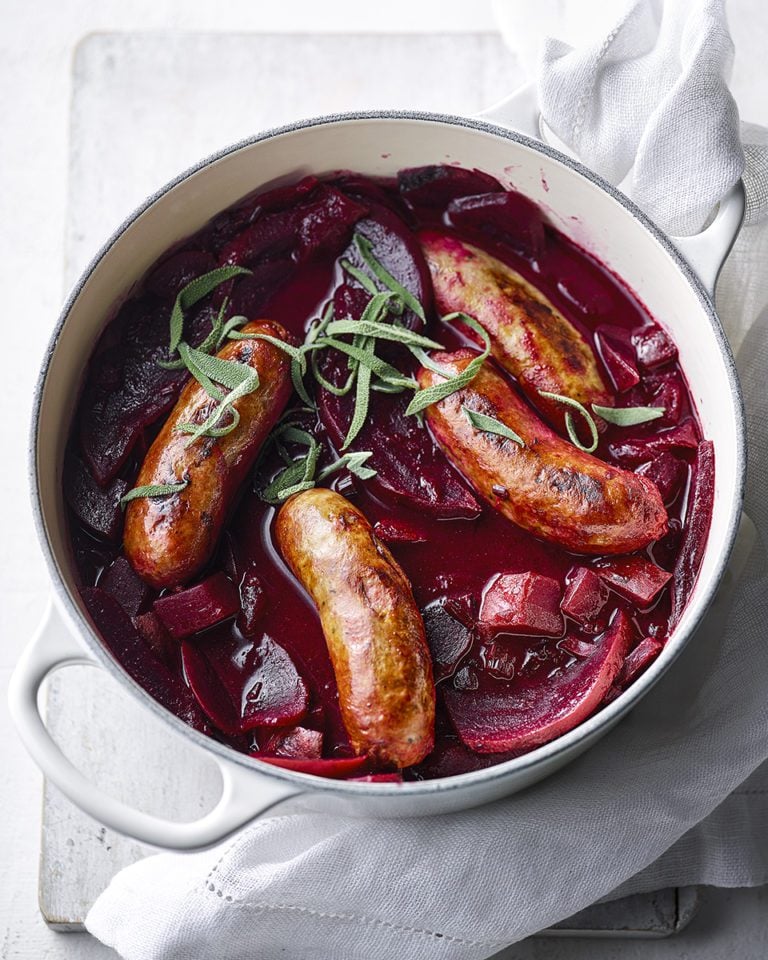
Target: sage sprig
486, 424
628, 416
570, 424
153, 490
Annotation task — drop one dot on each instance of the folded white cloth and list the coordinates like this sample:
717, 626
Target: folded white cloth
634, 813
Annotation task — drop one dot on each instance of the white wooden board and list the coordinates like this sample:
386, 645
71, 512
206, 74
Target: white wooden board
145, 106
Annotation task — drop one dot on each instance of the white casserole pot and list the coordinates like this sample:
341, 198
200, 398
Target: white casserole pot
675, 288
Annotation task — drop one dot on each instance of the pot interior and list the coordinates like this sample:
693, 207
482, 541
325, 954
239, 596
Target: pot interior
577, 205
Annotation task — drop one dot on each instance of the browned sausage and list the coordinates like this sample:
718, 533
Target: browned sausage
529, 337
169, 539
547, 486
372, 626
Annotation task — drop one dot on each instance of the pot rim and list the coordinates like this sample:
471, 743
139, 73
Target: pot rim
607, 715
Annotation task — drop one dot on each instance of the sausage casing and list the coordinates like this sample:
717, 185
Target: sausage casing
169, 539
529, 336
372, 626
547, 486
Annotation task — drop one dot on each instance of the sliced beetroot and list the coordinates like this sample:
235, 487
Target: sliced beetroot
668, 393
341, 768
522, 715
635, 578
654, 347
635, 450
177, 271
327, 223
156, 637
122, 582
618, 357
448, 638
522, 603
126, 388
701, 497
298, 743
397, 530
437, 185
451, 758
509, 217
253, 601
138, 659
248, 686
577, 647
250, 293
584, 595
98, 508
667, 472
638, 660
198, 608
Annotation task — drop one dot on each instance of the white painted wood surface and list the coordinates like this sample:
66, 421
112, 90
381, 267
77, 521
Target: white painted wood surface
37, 45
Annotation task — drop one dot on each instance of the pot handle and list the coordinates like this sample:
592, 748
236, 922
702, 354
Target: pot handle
242, 798
705, 251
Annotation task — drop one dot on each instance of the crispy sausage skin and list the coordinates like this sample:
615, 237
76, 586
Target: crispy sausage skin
372, 626
169, 539
529, 337
547, 486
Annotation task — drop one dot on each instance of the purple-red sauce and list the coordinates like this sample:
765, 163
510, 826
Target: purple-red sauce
260, 679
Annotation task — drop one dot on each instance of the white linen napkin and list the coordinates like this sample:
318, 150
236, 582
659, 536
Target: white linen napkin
653, 804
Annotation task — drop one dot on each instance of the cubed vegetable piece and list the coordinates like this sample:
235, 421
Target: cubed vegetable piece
667, 393
198, 607
298, 743
342, 768
653, 347
525, 715
522, 603
396, 530
584, 596
509, 217
436, 186
618, 358
257, 687
138, 660
125, 585
157, 638
177, 271
635, 450
449, 639
667, 472
701, 497
253, 602
635, 578
98, 508
577, 647
641, 657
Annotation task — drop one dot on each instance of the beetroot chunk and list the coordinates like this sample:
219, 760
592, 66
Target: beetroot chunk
253, 602
448, 638
156, 637
635, 450
509, 217
298, 743
177, 271
198, 607
654, 347
635, 578
253, 686
697, 522
618, 358
527, 714
341, 768
397, 530
522, 603
122, 582
584, 597
138, 660
667, 472
638, 660
96, 507
436, 186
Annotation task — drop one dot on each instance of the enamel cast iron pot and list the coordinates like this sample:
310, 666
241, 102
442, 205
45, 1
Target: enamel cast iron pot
673, 278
